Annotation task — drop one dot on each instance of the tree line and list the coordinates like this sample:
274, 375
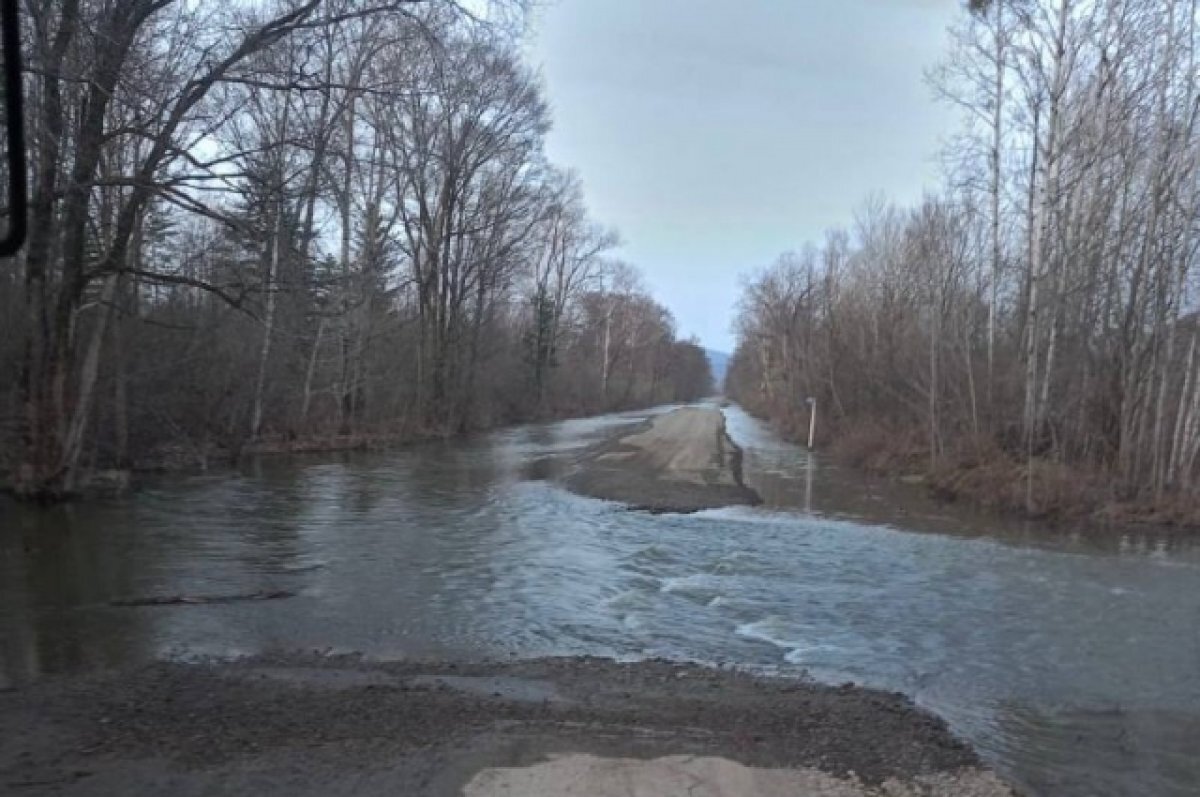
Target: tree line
267, 225
1029, 331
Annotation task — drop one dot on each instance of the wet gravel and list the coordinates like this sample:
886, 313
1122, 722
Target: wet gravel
316, 724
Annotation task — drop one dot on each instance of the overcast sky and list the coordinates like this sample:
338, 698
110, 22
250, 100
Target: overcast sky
716, 134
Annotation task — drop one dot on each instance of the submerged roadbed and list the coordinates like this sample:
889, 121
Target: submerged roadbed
683, 461
315, 725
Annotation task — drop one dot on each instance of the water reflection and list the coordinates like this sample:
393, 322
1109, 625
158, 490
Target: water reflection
1073, 663
810, 468
54, 578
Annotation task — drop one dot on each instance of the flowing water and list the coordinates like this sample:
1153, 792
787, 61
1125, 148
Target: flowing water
1071, 662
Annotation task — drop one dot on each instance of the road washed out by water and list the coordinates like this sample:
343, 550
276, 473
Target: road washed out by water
1071, 662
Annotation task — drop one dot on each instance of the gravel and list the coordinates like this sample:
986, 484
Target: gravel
299, 725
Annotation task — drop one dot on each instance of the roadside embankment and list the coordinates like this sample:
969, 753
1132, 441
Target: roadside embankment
683, 461
980, 474
313, 725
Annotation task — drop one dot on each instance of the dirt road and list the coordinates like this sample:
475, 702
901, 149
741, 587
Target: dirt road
682, 461
299, 726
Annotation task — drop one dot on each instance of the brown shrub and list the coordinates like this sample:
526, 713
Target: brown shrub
878, 448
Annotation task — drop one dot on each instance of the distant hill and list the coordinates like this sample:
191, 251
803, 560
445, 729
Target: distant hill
719, 362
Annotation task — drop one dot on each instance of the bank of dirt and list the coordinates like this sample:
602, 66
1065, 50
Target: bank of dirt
682, 461
309, 725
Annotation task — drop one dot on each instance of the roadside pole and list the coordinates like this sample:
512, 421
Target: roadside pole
812, 421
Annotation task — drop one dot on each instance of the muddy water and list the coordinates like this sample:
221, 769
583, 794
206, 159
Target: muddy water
1072, 663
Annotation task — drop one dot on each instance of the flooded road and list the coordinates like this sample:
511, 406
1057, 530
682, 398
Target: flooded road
1071, 663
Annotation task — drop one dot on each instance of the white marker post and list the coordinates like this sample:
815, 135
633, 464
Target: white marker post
812, 421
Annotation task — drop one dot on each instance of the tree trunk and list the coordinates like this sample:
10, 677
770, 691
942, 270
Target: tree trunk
308, 377
997, 143
73, 447
268, 324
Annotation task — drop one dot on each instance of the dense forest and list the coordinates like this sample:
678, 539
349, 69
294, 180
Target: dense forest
1027, 335
324, 222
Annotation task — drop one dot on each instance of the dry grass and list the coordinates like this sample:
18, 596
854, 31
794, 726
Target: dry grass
880, 449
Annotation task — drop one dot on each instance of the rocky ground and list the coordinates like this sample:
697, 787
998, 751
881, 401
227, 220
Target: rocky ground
682, 461
312, 725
